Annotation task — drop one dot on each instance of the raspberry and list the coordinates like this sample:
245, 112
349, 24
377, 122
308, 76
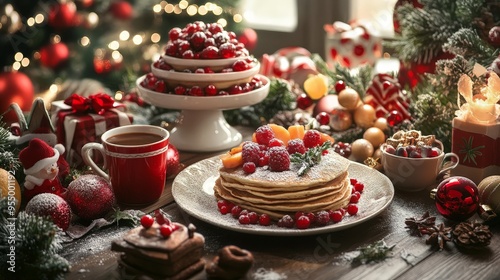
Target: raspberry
147, 221
275, 142
312, 138
250, 152
264, 134
336, 216
286, 221
235, 211
264, 159
279, 159
249, 167
166, 230
322, 218
296, 146
244, 219
254, 218
303, 222
264, 220
352, 209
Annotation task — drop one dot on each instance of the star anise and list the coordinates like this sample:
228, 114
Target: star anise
471, 235
438, 235
416, 224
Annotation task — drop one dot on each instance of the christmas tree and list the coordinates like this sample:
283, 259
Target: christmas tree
453, 35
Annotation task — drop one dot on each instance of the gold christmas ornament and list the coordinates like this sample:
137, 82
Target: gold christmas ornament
340, 119
349, 98
361, 149
10, 189
382, 124
375, 135
364, 116
489, 192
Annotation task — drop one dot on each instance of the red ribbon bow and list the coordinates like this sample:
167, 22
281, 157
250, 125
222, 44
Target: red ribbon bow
98, 103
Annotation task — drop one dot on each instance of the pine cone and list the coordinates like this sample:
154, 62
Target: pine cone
471, 235
486, 19
288, 118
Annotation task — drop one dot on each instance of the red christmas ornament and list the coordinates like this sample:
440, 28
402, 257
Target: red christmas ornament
54, 55
51, 206
15, 87
384, 94
249, 38
174, 164
394, 118
121, 10
457, 198
90, 197
63, 15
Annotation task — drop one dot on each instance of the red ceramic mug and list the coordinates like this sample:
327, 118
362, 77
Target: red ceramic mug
136, 159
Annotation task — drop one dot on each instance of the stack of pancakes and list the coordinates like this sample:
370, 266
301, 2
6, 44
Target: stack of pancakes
325, 186
147, 253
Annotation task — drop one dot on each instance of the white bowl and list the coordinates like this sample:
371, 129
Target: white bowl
180, 64
220, 80
186, 102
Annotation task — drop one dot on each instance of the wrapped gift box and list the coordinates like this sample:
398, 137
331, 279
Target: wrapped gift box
478, 147
77, 128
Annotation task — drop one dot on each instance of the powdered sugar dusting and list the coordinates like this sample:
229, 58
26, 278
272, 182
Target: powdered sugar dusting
88, 185
45, 203
264, 274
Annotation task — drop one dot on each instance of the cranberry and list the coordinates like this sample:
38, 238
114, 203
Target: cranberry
200, 24
415, 154
221, 203
303, 222
166, 230
235, 89
209, 42
221, 38
227, 50
171, 49
147, 221
210, 90
264, 220
394, 118
183, 46
254, 218
240, 65
208, 70
298, 214
160, 218
249, 167
160, 86
336, 216
180, 90
244, 219
312, 138
264, 159
215, 28
223, 92
343, 149
174, 33
355, 197
188, 54
401, 151
359, 187
152, 82
196, 91
286, 221
390, 150
209, 52
323, 118
312, 217
235, 211
198, 40
339, 86
224, 209
322, 218
244, 212
434, 152
199, 71
352, 209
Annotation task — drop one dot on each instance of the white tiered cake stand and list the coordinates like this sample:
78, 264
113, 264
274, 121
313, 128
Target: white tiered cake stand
201, 126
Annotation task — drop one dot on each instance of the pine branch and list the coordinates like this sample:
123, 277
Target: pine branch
467, 43
310, 158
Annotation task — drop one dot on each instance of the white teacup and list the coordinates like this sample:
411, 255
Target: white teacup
416, 174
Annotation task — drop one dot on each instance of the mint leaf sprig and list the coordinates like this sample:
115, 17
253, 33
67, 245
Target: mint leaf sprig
310, 158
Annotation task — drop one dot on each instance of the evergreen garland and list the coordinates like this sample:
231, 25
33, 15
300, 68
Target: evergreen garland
37, 241
8, 153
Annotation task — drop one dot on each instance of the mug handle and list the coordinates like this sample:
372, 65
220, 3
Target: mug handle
86, 149
450, 156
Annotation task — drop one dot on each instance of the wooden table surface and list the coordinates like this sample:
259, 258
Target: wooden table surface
324, 256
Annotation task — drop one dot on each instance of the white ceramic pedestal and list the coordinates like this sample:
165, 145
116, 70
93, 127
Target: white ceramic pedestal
204, 131
201, 126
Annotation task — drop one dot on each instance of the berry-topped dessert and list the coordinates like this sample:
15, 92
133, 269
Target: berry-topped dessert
411, 144
291, 176
203, 60
161, 249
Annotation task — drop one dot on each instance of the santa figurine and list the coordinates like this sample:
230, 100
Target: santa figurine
40, 162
